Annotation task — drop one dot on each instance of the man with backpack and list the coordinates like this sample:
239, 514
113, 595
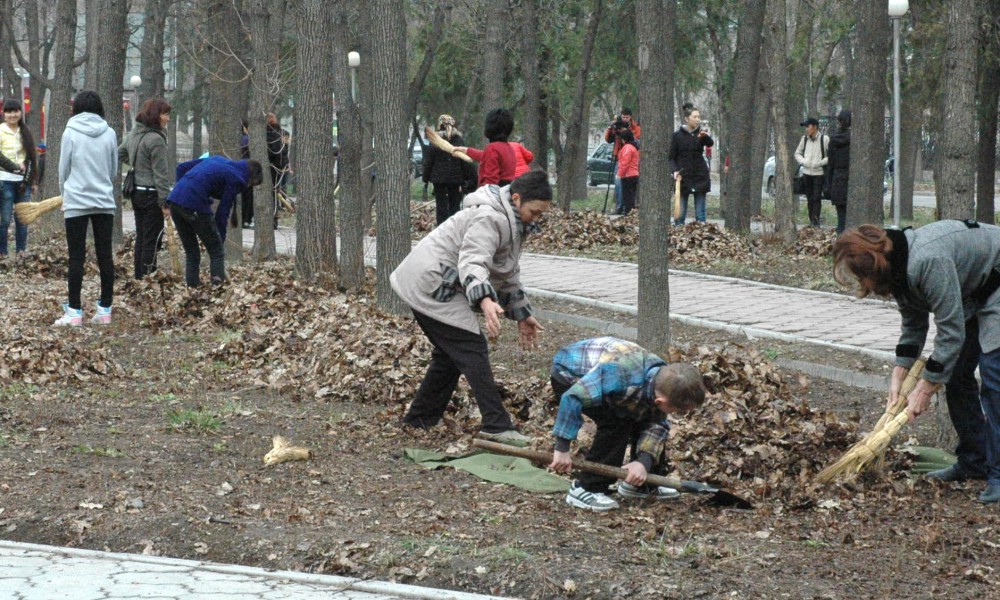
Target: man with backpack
811, 154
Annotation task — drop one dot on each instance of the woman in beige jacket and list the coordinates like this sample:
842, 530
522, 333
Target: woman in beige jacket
467, 265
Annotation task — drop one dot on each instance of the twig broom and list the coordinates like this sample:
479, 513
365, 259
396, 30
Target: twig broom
873, 446
175, 253
29, 212
443, 144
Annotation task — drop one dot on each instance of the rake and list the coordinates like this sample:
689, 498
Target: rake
29, 212
874, 444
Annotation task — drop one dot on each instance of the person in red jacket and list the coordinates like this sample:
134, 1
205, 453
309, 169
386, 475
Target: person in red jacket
501, 162
628, 169
621, 122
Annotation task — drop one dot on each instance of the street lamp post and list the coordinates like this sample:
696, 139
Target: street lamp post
135, 81
897, 9
354, 61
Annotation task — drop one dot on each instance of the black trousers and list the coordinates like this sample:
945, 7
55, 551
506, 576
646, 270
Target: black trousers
148, 231
456, 352
447, 200
614, 435
630, 187
246, 200
193, 226
76, 245
814, 197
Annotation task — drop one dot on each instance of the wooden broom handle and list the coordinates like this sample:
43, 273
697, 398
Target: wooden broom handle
579, 464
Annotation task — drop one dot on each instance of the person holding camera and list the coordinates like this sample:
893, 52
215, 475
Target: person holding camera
622, 122
687, 162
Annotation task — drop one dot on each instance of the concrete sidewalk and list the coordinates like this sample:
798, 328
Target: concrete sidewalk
35, 572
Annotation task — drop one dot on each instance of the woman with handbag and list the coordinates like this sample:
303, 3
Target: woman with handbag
687, 163
146, 151
18, 146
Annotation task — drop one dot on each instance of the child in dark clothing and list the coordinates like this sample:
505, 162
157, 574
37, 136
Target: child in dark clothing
626, 391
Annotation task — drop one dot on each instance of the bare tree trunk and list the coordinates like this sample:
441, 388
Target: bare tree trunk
746, 63
493, 53
761, 126
864, 187
433, 38
911, 128
529, 75
61, 88
316, 229
655, 29
107, 57
958, 82
225, 86
989, 97
265, 20
572, 171
154, 23
392, 190
784, 203
352, 141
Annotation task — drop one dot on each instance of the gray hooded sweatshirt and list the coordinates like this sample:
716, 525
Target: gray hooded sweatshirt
472, 255
88, 163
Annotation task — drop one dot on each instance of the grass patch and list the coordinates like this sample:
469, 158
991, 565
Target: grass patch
98, 451
199, 421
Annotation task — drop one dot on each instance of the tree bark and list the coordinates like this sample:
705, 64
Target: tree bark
761, 127
61, 88
784, 203
392, 190
316, 229
529, 76
989, 97
655, 30
433, 40
744, 88
864, 187
107, 58
154, 24
494, 54
265, 20
958, 83
572, 171
225, 94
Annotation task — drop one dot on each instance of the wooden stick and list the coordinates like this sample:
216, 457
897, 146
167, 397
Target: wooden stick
579, 464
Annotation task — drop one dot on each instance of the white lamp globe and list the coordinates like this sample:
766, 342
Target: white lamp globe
353, 59
135, 81
898, 8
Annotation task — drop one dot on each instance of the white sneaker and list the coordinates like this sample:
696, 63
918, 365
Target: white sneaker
594, 501
72, 317
628, 490
102, 316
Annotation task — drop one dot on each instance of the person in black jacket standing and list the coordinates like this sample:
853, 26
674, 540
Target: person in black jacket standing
840, 161
450, 175
687, 161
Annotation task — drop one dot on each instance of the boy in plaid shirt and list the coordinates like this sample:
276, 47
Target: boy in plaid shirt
626, 391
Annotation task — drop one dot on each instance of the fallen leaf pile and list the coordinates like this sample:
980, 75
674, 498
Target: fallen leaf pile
583, 230
703, 243
752, 435
305, 341
813, 241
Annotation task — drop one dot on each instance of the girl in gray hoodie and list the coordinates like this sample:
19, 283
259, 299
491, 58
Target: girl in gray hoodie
88, 163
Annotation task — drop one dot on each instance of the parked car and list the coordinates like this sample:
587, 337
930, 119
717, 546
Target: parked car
599, 165
417, 159
768, 181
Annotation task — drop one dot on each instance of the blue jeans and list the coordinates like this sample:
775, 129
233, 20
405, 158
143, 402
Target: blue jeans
699, 207
11, 196
618, 195
975, 411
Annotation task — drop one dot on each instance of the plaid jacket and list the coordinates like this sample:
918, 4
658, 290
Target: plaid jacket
614, 373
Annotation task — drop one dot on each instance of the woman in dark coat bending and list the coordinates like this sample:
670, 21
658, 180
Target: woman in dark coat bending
687, 161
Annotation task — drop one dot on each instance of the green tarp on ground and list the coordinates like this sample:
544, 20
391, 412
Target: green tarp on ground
518, 472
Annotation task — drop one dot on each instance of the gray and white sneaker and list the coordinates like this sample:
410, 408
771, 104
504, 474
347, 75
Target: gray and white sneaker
511, 437
595, 501
659, 492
